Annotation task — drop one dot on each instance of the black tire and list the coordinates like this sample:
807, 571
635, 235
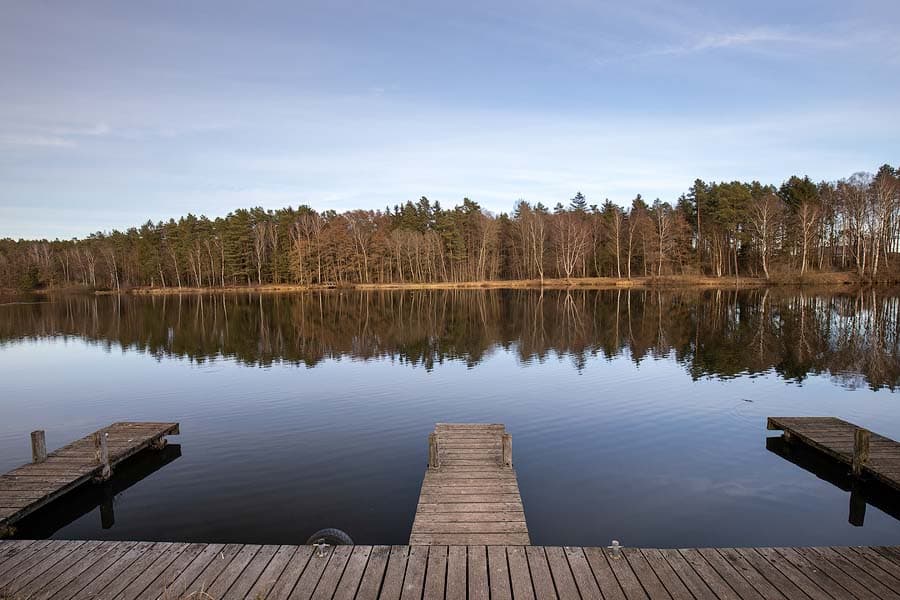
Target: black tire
330, 536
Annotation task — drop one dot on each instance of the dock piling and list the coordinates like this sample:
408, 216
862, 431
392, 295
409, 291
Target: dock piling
38, 446
434, 461
101, 447
860, 450
506, 456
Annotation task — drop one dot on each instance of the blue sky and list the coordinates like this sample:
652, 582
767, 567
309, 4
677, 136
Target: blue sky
112, 113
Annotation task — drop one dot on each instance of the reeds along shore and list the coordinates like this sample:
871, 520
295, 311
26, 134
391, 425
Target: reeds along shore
601, 283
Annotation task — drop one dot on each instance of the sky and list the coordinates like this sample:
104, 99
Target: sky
113, 113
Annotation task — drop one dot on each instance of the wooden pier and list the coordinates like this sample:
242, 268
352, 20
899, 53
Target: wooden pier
92, 458
75, 570
470, 494
867, 454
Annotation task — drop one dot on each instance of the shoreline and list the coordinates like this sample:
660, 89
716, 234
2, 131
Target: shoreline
838, 279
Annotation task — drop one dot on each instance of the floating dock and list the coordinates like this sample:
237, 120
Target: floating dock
470, 494
50, 476
71, 570
868, 454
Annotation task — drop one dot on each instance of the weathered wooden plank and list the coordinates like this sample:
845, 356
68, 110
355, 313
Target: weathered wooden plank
269, 576
458, 539
291, 574
393, 576
771, 575
144, 562
88, 560
464, 507
35, 564
792, 579
581, 572
182, 562
470, 517
178, 584
890, 575
469, 499
46, 573
151, 573
247, 579
203, 580
436, 572
91, 583
644, 573
889, 552
20, 554
562, 574
498, 573
626, 577
118, 554
519, 575
829, 577
307, 582
457, 577
541, 578
478, 527
373, 575
882, 583
414, 579
759, 585
331, 576
710, 588
720, 579
667, 575
478, 579
353, 573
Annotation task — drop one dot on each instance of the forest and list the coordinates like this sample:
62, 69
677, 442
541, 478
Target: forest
716, 229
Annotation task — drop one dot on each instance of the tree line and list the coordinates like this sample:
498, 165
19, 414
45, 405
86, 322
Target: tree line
853, 337
718, 229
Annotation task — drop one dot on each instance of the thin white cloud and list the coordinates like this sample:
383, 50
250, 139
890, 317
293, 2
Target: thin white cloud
44, 141
764, 37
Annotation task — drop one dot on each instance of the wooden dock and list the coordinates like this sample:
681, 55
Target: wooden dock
470, 494
868, 454
75, 570
32, 486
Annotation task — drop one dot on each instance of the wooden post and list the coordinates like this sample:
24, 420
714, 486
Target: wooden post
38, 446
434, 462
860, 450
101, 447
506, 458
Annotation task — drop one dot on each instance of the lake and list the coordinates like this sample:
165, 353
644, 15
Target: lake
636, 415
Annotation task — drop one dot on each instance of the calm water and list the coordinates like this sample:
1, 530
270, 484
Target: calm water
635, 415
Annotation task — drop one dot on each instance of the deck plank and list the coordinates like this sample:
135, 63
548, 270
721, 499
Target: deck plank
353, 573
370, 585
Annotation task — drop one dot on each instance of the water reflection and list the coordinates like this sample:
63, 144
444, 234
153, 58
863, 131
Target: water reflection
853, 336
46, 521
862, 491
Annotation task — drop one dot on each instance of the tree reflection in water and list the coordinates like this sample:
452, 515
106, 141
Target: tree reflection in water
853, 336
